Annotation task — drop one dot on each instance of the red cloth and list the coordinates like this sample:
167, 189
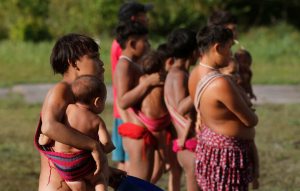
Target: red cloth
115, 53
189, 145
223, 163
134, 131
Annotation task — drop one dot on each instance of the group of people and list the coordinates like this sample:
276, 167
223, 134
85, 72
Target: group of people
165, 119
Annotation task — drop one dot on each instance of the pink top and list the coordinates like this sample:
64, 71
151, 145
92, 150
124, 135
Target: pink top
115, 53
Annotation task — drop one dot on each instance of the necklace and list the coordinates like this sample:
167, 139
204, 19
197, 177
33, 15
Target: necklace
81, 106
127, 58
208, 66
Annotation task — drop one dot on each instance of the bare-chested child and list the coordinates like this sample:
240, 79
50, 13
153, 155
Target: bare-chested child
152, 111
133, 39
223, 154
89, 95
182, 46
73, 55
244, 60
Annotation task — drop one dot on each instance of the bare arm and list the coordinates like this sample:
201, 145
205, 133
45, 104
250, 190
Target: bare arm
104, 137
187, 128
44, 140
124, 81
53, 111
228, 94
183, 101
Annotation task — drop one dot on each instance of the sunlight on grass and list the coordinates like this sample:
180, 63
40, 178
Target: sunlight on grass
278, 129
275, 53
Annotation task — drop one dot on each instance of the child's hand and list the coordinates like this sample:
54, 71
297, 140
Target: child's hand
255, 184
156, 79
99, 158
180, 143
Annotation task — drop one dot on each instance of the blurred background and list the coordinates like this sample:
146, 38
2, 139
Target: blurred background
268, 29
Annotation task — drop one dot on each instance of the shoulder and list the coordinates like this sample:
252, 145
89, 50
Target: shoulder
60, 91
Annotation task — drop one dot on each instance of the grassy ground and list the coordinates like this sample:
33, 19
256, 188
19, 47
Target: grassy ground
277, 131
274, 51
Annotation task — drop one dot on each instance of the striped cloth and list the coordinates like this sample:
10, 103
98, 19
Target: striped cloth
70, 166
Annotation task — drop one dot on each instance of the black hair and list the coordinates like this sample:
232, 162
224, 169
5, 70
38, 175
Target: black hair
129, 30
212, 34
86, 88
152, 62
244, 52
163, 50
181, 43
70, 47
221, 18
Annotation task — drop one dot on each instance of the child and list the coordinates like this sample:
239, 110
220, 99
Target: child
89, 96
183, 48
152, 112
232, 71
134, 11
133, 39
244, 60
223, 154
73, 55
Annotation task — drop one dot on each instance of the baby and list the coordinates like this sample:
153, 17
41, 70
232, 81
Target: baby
89, 94
232, 71
244, 60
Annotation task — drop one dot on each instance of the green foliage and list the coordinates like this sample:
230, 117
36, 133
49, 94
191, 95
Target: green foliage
45, 19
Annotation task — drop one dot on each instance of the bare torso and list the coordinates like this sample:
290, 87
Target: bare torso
55, 181
215, 114
175, 95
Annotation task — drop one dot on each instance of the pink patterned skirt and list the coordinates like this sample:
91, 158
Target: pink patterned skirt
223, 163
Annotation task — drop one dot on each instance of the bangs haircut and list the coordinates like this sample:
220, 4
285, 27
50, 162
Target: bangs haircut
162, 49
221, 18
212, 34
181, 43
86, 88
70, 47
152, 62
129, 30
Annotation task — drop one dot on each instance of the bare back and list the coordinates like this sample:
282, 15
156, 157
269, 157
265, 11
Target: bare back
222, 108
176, 89
81, 120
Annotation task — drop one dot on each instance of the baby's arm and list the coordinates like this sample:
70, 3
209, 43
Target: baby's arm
44, 140
248, 85
104, 138
255, 166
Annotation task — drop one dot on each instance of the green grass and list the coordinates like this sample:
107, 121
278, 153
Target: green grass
278, 129
275, 52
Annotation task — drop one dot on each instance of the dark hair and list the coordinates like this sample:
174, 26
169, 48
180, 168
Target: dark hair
70, 47
241, 52
152, 62
181, 43
86, 88
221, 18
163, 50
129, 30
212, 34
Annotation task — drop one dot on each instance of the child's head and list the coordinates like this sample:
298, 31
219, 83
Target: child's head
89, 90
132, 36
182, 44
244, 59
134, 11
152, 62
232, 70
69, 49
225, 19
215, 41
168, 60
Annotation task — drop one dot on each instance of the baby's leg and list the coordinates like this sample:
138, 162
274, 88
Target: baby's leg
78, 185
